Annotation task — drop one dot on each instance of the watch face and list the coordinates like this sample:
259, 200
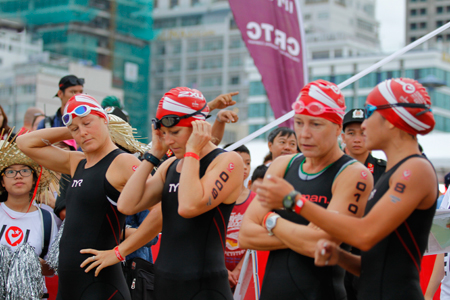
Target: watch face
288, 202
270, 223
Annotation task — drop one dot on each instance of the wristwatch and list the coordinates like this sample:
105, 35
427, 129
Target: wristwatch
152, 159
289, 200
271, 222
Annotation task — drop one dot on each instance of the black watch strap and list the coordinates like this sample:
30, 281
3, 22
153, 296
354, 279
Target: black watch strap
152, 159
289, 200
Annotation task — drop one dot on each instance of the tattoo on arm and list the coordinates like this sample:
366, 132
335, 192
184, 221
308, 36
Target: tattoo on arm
394, 199
223, 178
353, 208
361, 186
357, 196
400, 187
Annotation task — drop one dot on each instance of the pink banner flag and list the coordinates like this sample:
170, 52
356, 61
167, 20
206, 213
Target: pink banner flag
273, 33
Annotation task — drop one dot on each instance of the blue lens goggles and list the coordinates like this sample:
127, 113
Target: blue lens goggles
369, 108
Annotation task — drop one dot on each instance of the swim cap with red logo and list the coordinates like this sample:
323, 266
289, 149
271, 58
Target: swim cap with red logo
87, 101
322, 99
403, 90
183, 101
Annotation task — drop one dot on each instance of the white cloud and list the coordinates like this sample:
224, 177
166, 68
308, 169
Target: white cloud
391, 15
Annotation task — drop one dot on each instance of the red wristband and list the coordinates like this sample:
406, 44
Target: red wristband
119, 257
299, 204
265, 218
192, 154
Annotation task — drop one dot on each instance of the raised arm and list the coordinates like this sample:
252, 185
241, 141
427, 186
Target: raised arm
218, 128
143, 190
222, 181
149, 228
416, 190
38, 146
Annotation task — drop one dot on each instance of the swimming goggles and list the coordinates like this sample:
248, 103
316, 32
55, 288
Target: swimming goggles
315, 108
80, 111
369, 108
172, 120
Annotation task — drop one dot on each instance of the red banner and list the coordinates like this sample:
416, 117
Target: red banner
273, 33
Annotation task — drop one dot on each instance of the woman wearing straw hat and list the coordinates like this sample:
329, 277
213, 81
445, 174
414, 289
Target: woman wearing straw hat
197, 189
393, 234
99, 174
21, 222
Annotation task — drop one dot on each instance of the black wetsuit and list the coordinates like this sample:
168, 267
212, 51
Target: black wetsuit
92, 221
191, 261
390, 270
290, 275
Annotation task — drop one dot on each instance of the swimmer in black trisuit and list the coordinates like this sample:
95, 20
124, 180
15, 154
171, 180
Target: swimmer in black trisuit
197, 188
393, 234
99, 174
328, 177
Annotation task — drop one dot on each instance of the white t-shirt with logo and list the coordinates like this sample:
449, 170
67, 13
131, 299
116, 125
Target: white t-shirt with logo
16, 229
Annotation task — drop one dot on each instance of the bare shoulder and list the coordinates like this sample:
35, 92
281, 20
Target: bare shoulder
416, 169
353, 174
74, 158
125, 159
162, 169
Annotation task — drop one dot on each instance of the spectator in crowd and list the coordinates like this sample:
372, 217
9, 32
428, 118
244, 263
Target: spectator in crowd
257, 177
29, 117
23, 221
355, 146
69, 86
5, 130
282, 141
233, 253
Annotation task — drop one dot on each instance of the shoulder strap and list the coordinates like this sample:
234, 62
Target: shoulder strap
291, 162
46, 218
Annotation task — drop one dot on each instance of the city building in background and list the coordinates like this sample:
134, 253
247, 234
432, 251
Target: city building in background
113, 35
35, 83
425, 16
197, 44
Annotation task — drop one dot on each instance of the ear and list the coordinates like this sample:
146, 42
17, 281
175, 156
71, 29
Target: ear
269, 144
249, 184
60, 94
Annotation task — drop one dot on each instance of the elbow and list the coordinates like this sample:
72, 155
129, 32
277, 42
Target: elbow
125, 209
187, 212
365, 242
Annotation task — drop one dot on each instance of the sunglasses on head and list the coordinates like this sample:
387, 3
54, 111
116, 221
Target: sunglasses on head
172, 120
369, 108
73, 81
80, 111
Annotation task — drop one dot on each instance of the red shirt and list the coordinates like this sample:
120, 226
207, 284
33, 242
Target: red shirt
234, 254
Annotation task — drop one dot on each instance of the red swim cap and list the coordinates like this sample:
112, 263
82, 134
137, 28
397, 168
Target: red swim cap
90, 105
322, 99
183, 101
403, 90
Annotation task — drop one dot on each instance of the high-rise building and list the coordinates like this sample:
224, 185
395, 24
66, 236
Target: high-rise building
423, 16
110, 34
197, 44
